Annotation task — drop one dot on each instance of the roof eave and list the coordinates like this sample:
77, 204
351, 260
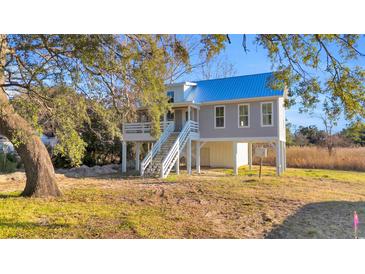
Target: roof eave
231, 101
181, 84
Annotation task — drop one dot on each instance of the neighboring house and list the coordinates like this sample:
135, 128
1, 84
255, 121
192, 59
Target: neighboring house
49, 141
5, 145
8, 146
212, 123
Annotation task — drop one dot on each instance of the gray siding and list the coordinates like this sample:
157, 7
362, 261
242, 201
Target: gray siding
231, 130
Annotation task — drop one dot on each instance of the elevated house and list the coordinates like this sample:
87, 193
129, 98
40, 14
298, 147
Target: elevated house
213, 123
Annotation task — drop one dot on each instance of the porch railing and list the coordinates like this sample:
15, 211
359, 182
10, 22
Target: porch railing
135, 128
194, 126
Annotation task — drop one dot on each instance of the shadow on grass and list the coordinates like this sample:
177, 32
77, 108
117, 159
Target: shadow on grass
135, 175
29, 225
11, 195
326, 220
109, 176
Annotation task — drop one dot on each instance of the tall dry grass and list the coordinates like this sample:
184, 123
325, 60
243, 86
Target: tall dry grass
342, 158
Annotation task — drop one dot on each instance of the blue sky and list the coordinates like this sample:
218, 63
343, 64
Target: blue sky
256, 61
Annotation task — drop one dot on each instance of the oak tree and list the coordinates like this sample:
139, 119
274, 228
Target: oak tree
120, 69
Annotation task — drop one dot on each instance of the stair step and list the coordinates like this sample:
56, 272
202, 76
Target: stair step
154, 169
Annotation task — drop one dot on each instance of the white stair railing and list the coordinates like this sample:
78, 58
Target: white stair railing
194, 126
175, 150
168, 129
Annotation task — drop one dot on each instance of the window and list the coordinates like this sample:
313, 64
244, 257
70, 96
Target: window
244, 115
219, 116
266, 114
170, 95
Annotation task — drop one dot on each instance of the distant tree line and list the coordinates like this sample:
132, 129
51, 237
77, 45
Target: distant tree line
352, 135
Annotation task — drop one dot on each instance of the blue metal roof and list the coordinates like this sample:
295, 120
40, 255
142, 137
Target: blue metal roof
231, 88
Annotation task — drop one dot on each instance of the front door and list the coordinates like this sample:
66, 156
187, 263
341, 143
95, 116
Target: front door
185, 117
181, 116
170, 116
178, 120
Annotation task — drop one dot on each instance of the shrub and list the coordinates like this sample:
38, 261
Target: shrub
8, 164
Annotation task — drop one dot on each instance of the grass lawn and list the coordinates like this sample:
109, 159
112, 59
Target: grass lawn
302, 203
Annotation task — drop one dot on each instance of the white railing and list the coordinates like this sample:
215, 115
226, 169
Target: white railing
132, 128
194, 126
176, 149
166, 124
168, 128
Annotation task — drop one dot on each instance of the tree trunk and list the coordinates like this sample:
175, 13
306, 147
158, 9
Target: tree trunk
329, 144
330, 149
41, 180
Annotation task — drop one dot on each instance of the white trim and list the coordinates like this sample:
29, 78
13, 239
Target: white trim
188, 156
248, 114
181, 84
224, 116
177, 105
233, 101
241, 139
235, 158
278, 115
272, 114
249, 150
281, 119
243, 100
197, 156
124, 157
138, 151
184, 104
278, 157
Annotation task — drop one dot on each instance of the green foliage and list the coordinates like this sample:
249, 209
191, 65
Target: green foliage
213, 44
121, 70
124, 70
298, 58
63, 114
87, 130
102, 134
311, 134
67, 117
8, 163
70, 146
355, 132
289, 134
29, 109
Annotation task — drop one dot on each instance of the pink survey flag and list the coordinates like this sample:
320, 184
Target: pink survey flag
356, 220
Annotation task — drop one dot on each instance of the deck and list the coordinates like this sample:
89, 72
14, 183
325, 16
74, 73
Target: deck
142, 131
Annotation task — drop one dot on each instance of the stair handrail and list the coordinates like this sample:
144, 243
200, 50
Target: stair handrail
175, 150
157, 146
